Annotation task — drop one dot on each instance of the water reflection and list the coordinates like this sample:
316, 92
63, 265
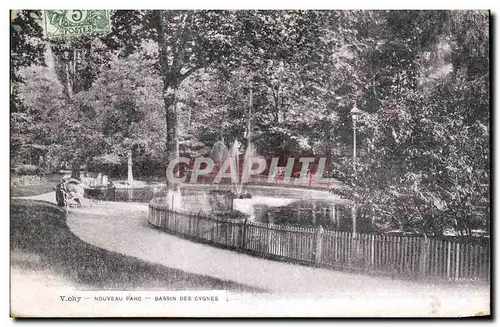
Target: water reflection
307, 213
277, 206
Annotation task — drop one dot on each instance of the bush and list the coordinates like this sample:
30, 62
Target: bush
27, 180
231, 215
27, 170
300, 214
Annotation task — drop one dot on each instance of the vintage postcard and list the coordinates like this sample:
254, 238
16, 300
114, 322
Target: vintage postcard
250, 163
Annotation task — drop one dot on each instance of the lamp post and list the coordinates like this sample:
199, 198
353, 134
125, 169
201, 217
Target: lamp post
249, 121
355, 112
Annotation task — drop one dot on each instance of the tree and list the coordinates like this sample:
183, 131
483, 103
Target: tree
187, 41
125, 99
282, 60
26, 49
42, 94
286, 81
424, 164
77, 63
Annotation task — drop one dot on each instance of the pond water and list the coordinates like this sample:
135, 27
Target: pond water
269, 204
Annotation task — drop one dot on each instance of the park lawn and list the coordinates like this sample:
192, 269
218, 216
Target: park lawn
47, 185
41, 242
31, 190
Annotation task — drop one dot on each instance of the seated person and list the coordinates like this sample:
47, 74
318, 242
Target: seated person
75, 190
59, 193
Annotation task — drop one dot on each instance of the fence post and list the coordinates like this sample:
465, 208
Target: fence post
243, 234
448, 260
422, 258
372, 237
314, 213
198, 234
319, 244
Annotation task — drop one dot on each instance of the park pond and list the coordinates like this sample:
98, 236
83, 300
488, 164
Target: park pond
268, 204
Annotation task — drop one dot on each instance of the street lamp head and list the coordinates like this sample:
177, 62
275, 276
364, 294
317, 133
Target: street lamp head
355, 112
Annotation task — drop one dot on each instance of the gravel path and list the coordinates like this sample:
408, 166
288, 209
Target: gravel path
123, 228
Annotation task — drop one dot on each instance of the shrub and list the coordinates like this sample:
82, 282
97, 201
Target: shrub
27, 180
231, 215
27, 170
300, 214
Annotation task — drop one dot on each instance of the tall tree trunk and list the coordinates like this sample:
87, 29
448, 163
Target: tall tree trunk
173, 198
75, 170
171, 117
170, 88
69, 88
130, 176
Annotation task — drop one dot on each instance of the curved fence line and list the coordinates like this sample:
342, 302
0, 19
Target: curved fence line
410, 257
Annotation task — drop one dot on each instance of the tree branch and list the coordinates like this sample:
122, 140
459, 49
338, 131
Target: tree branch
190, 71
162, 45
182, 37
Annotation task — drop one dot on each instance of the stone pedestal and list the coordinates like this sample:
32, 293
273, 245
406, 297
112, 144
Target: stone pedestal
220, 200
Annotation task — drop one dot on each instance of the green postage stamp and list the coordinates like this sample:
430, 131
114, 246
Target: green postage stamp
74, 23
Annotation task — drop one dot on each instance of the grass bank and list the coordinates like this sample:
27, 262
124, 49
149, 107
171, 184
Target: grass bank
44, 184
31, 190
38, 230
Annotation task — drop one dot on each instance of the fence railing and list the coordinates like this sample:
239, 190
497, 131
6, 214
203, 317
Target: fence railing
414, 257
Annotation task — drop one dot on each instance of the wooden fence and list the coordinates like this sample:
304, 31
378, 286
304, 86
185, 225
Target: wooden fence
413, 257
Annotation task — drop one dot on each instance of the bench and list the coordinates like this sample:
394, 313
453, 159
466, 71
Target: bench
65, 199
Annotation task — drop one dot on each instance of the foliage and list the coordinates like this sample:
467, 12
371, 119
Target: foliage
32, 130
27, 170
26, 48
425, 164
231, 215
123, 103
166, 83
